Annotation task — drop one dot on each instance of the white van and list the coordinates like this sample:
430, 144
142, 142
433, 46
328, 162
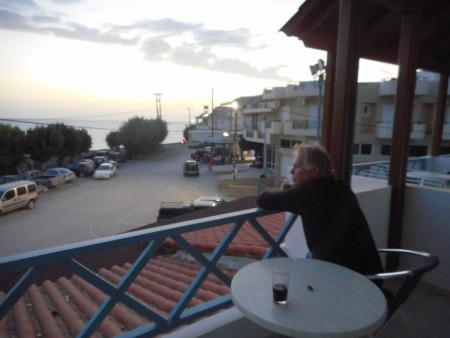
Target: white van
17, 195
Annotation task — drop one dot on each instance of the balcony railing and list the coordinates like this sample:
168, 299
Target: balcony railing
385, 128
35, 263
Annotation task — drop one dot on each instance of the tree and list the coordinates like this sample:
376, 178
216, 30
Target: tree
86, 140
44, 142
113, 140
141, 136
12, 145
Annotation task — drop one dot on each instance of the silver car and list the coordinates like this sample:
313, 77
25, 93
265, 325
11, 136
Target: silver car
64, 174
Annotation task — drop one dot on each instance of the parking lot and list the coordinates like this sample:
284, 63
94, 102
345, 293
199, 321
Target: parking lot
87, 208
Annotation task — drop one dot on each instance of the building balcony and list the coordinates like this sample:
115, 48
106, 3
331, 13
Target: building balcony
274, 93
389, 87
174, 279
259, 110
384, 130
253, 135
304, 127
418, 131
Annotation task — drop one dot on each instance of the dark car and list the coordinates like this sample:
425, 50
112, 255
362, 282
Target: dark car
82, 169
31, 175
8, 178
199, 155
102, 159
190, 168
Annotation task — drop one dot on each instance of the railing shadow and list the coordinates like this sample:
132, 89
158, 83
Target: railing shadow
34, 265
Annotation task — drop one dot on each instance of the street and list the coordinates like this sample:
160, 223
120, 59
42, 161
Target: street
87, 208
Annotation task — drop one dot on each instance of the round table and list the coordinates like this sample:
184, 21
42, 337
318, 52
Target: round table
324, 299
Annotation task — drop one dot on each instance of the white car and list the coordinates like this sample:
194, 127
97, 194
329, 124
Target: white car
64, 175
105, 170
207, 201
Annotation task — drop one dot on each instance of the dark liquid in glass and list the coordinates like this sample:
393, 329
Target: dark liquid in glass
280, 293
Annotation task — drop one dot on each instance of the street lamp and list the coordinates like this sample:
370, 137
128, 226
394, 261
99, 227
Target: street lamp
318, 70
234, 106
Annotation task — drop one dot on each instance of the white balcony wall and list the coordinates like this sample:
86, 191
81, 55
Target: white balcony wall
418, 131
384, 130
446, 131
388, 88
426, 228
300, 127
422, 86
274, 93
276, 127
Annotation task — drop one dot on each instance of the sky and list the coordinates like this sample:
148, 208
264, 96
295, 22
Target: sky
106, 59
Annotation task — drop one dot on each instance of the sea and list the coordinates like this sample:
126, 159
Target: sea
97, 129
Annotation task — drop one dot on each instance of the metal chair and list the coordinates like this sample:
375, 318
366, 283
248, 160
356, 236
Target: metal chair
406, 279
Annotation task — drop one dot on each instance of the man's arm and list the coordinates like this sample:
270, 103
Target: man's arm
280, 201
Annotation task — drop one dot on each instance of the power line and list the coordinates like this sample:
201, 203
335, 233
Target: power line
53, 123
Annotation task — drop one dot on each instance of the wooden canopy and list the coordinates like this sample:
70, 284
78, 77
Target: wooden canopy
379, 24
414, 34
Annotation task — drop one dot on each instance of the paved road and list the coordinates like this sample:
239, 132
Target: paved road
87, 208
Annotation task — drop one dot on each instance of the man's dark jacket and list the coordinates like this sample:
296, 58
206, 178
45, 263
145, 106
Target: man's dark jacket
335, 228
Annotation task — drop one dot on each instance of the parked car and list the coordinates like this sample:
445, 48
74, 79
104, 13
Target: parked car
63, 175
172, 209
18, 194
207, 201
105, 171
43, 181
102, 159
83, 168
199, 155
190, 168
8, 178
31, 175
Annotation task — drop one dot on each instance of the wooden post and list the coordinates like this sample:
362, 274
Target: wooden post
345, 88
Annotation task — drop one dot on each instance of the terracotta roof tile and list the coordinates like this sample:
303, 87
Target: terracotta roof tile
61, 309
246, 243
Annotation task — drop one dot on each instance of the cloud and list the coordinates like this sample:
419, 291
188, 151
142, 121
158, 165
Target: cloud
165, 39
156, 50
13, 21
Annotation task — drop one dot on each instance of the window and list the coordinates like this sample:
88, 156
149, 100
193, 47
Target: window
386, 150
31, 187
362, 149
9, 195
21, 191
288, 144
366, 149
418, 150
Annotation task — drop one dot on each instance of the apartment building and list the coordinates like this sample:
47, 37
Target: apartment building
283, 116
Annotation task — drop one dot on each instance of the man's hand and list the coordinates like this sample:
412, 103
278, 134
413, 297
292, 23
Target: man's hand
285, 185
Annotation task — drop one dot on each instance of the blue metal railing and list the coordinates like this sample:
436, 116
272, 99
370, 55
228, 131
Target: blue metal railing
34, 263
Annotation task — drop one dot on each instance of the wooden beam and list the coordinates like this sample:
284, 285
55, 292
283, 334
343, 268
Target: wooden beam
440, 114
408, 58
345, 88
327, 125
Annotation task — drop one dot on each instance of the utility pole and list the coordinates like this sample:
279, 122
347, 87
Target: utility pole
158, 106
189, 109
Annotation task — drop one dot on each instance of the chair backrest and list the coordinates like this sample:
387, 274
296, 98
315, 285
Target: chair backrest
408, 278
